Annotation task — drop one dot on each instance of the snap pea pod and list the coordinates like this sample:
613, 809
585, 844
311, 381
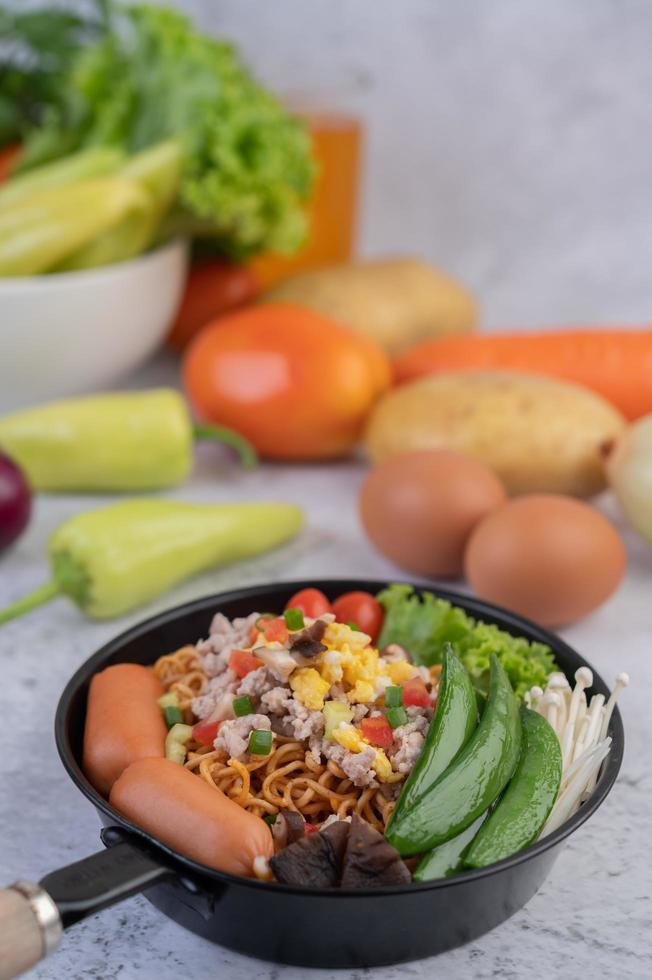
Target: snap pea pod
448, 858
528, 799
452, 726
472, 781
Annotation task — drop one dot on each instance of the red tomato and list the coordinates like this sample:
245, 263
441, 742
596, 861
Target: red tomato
214, 287
311, 602
309, 828
276, 632
415, 693
242, 662
362, 609
206, 731
8, 157
377, 731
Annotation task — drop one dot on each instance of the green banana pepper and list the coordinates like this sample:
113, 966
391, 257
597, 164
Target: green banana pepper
158, 171
526, 803
452, 726
38, 233
83, 165
119, 557
474, 779
114, 442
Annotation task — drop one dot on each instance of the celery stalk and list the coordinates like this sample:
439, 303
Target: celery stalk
63, 220
84, 165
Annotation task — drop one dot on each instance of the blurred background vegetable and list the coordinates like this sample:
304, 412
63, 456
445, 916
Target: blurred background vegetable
535, 433
336, 145
396, 302
629, 471
294, 383
616, 363
114, 442
37, 48
237, 167
15, 501
214, 287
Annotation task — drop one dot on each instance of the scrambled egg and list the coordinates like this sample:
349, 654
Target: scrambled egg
352, 739
350, 660
309, 687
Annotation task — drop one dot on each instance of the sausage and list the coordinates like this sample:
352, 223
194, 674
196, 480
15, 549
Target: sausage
187, 814
123, 722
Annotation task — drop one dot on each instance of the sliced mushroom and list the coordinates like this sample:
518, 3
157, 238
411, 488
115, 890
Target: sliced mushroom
370, 861
287, 828
314, 860
307, 643
277, 660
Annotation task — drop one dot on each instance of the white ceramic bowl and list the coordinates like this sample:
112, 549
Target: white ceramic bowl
77, 331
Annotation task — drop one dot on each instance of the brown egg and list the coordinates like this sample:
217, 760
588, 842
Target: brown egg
550, 558
419, 508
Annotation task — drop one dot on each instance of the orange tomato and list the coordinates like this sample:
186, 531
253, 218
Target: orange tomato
295, 383
213, 288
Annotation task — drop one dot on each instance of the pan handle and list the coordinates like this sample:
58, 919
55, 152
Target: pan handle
33, 917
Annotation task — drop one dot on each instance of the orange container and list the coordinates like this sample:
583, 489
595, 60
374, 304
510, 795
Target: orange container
332, 211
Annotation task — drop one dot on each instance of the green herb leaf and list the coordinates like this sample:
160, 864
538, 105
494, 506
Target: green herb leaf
423, 624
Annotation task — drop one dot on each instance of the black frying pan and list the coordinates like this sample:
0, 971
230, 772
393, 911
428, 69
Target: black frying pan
320, 928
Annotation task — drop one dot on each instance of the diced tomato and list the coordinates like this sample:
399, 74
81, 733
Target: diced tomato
206, 731
309, 828
415, 693
242, 662
311, 602
362, 609
276, 632
377, 731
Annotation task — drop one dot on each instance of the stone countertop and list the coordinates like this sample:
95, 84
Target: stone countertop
592, 915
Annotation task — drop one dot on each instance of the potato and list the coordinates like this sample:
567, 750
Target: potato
396, 302
536, 433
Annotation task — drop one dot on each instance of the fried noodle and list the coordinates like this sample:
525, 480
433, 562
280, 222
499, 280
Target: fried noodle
289, 778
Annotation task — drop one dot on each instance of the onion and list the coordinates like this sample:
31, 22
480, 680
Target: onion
629, 471
15, 501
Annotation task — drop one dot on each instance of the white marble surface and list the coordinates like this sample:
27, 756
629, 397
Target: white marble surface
591, 917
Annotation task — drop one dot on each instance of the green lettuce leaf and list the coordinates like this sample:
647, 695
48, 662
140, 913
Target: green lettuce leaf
152, 77
423, 624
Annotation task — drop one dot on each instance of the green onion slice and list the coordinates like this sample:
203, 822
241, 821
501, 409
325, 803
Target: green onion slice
173, 715
260, 742
294, 619
242, 706
397, 717
393, 697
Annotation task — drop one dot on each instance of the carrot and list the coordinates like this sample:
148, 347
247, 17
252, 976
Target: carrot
615, 363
